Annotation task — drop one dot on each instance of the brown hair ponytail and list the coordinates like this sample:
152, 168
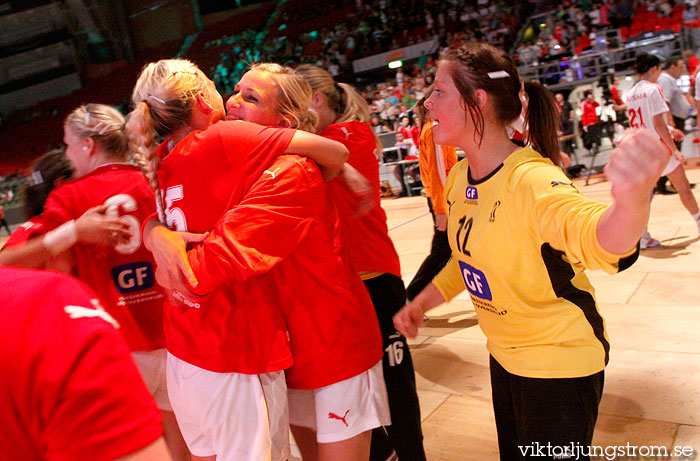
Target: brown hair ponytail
543, 121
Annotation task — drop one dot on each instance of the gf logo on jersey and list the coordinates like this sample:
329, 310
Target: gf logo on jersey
472, 193
475, 281
133, 277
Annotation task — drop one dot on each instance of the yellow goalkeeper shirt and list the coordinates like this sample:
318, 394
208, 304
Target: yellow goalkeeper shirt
521, 238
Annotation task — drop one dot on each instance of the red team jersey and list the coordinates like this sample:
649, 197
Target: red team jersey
284, 234
366, 242
26, 231
70, 389
268, 265
237, 326
122, 276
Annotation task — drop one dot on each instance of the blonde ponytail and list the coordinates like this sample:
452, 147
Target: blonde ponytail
343, 99
163, 99
142, 143
355, 108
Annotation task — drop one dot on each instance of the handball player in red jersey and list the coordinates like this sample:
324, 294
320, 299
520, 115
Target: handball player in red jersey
122, 274
23, 249
71, 389
343, 116
227, 347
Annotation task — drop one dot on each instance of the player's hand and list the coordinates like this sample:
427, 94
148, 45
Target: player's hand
679, 156
441, 222
360, 187
635, 166
95, 226
169, 250
409, 319
676, 134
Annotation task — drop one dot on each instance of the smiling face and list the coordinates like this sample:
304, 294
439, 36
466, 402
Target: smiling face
255, 100
447, 109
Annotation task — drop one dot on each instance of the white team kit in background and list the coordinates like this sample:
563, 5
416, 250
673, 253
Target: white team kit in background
644, 101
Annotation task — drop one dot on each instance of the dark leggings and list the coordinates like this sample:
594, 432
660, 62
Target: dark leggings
3, 223
404, 435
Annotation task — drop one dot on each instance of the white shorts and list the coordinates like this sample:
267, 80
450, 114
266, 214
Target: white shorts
230, 415
151, 364
671, 165
342, 410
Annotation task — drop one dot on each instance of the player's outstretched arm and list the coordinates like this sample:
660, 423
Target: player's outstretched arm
94, 226
634, 168
410, 317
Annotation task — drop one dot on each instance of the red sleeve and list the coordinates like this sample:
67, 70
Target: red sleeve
56, 210
25, 232
268, 224
596, 104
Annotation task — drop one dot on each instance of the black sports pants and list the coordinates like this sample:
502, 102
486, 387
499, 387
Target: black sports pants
405, 434
533, 413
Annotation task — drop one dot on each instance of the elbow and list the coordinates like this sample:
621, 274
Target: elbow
343, 156
337, 166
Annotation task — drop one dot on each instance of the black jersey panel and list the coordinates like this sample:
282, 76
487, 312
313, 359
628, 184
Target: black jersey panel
560, 274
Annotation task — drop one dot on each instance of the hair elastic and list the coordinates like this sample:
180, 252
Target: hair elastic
36, 178
101, 128
498, 74
156, 98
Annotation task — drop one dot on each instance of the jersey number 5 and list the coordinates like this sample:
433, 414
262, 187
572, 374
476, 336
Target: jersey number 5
127, 203
634, 123
174, 216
